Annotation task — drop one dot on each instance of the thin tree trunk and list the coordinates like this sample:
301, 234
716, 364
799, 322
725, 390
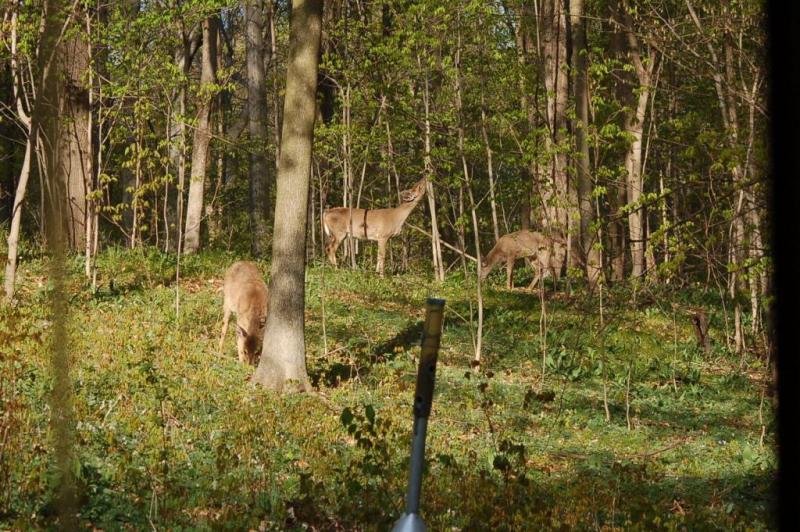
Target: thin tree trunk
616, 232
16, 219
277, 119
257, 122
633, 166
468, 183
490, 171
634, 126
390, 152
137, 184
347, 171
202, 137
436, 247
90, 181
22, 183
283, 363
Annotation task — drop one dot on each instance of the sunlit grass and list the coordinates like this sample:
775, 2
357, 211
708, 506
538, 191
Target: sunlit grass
171, 434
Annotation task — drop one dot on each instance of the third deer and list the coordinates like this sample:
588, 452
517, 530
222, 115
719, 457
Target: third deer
542, 253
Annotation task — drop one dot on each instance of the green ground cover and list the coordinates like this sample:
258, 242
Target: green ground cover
170, 435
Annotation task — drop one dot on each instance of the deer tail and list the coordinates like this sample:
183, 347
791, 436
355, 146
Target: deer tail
325, 224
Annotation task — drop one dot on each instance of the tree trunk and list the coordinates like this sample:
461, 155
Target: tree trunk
50, 99
634, 126
468, 182
202, 137
16, 219
490, 171
22, 183
633, 165
283, 355
436, 246
257, 122
558, 197
616, 232
522, 40
590, 254
74, 145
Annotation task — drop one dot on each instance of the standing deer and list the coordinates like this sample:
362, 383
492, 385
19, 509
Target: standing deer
377, 224
540, 251
245, 294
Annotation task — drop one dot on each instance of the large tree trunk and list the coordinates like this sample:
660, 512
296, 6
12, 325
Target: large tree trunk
74, 144
590, 254
283, 362
523, 45
559, 198
57, 210
202, 137
257, 123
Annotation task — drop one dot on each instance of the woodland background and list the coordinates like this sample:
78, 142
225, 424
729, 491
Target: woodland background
636, 128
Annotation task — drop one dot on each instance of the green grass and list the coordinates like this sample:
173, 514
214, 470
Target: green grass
171, 435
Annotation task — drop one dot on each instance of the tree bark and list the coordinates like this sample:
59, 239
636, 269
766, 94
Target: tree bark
74, 145
590, 254
202, 137
257, 124
283, 363
560, 200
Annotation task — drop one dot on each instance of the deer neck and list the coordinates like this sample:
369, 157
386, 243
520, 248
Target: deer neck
404, 210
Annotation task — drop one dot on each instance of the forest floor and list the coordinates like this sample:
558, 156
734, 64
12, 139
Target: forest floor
171, 435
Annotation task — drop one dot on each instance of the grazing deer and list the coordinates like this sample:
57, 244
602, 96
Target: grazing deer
245, 294
542, 253
370, 224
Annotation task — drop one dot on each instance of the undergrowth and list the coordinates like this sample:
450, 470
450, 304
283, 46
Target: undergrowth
171, 435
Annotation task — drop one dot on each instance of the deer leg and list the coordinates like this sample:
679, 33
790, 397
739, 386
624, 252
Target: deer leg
537, 275
510, 274
225, 320
240, 346
530, 265
381, 255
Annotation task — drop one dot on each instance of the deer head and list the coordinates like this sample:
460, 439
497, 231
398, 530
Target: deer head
414, 193
249, 340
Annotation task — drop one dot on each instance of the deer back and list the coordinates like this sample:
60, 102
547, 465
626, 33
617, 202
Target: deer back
245, 294
373, 224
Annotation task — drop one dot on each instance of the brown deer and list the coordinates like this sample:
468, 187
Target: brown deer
542, 253
370, 224
245, 294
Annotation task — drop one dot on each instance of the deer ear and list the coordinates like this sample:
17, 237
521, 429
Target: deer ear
241, 331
